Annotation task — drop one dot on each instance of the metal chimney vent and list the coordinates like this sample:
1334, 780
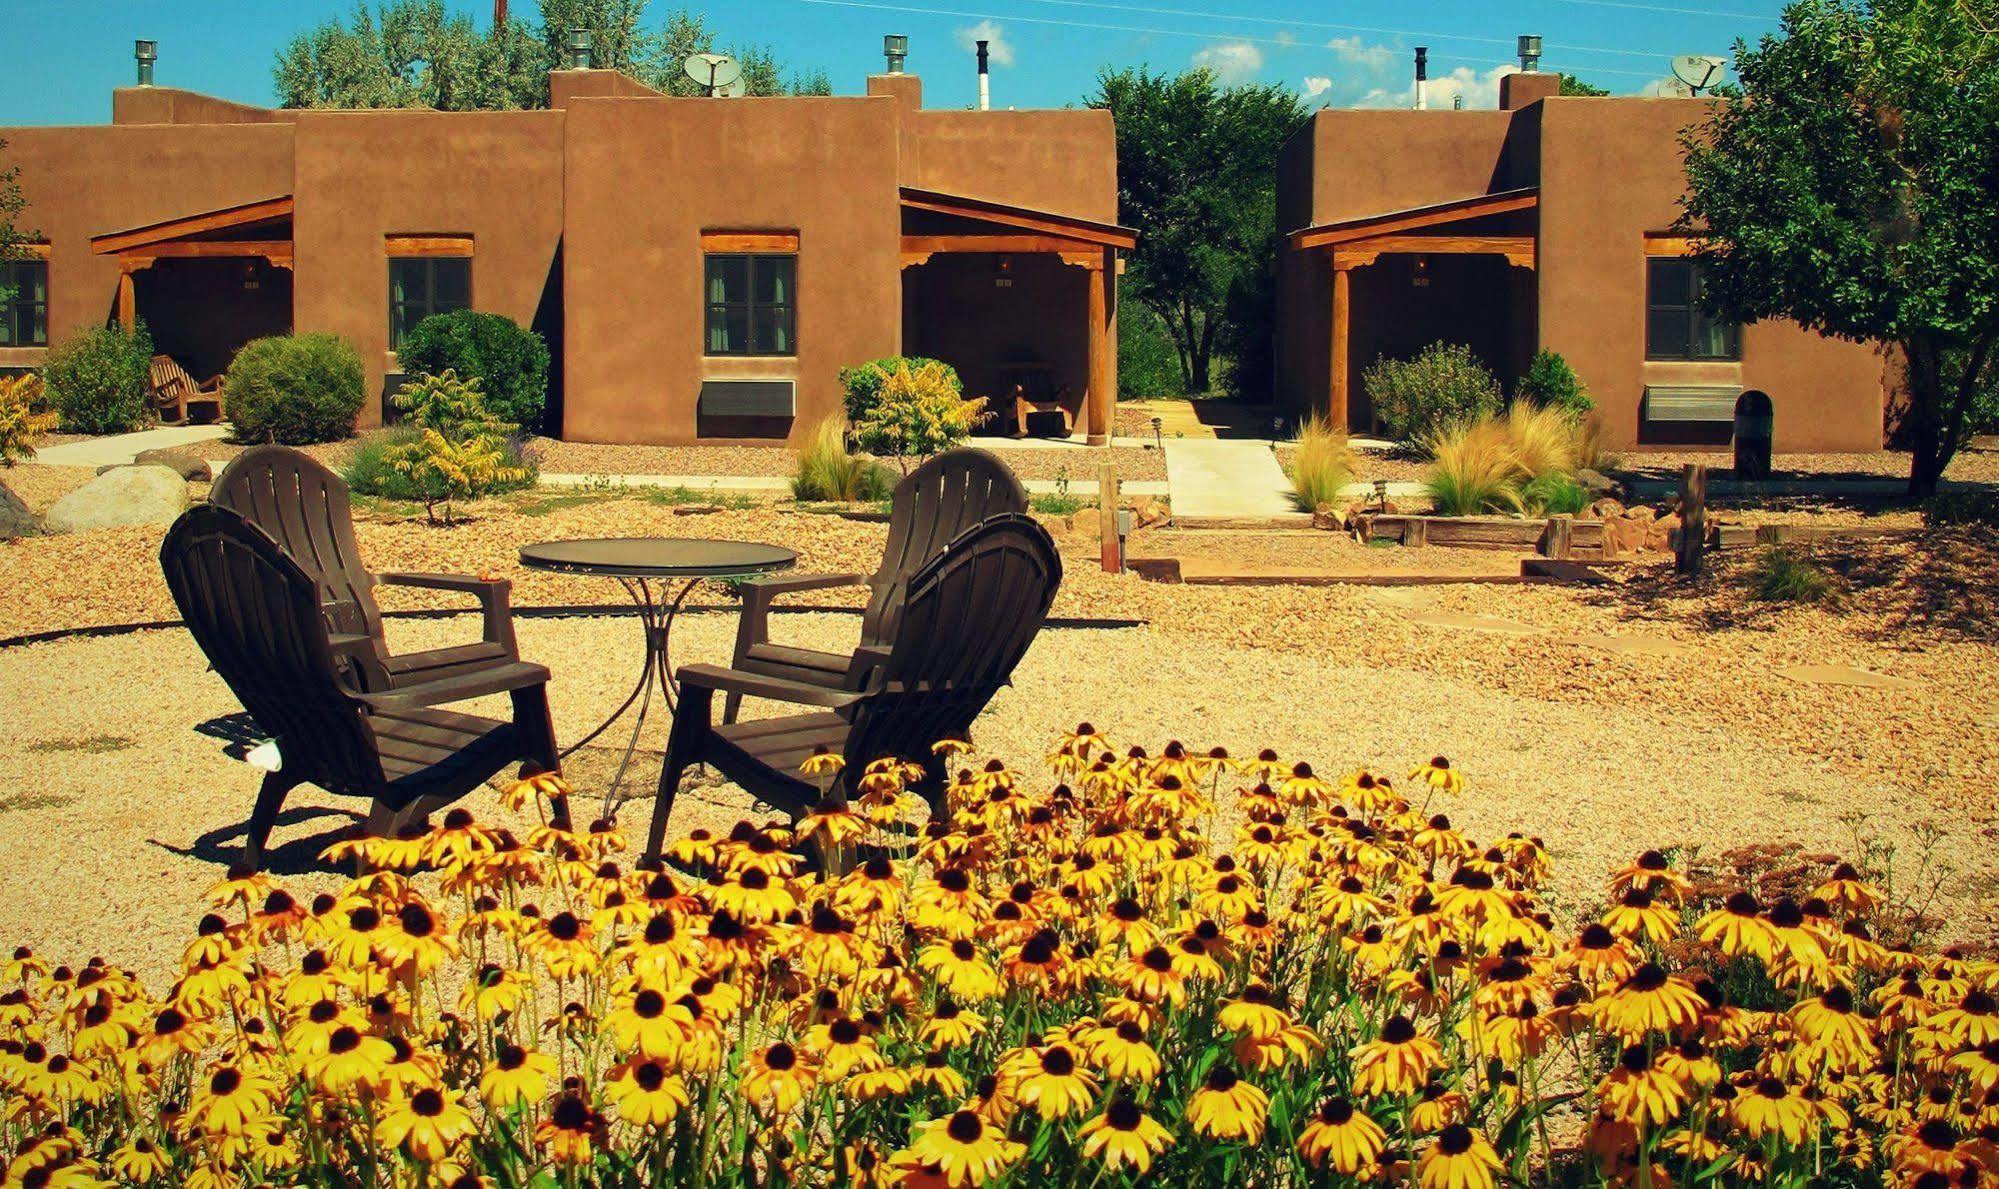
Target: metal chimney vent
146, 53
895, 47
582, 45
985, 79
1422, 78
1530, 52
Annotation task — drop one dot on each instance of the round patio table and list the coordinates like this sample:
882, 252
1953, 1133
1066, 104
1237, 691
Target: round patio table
647, 568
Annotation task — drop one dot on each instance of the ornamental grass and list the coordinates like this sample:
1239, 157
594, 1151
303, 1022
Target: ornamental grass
1092, 983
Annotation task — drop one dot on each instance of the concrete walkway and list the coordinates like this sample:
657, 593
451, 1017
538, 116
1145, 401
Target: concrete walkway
1218, 479
119, 449
758, 483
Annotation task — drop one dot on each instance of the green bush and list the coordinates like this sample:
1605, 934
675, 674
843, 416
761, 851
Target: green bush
97, 381
295, 389
368, 470
448, 446
1443, 387
1780, 575
1962, 506
509, 360
863, 382
1552, 384
918, 410
1147, 364
1553, 494
826, 471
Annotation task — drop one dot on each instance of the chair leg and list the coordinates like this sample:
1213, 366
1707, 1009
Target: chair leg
270, 799
731, 703
539, 752
683, 750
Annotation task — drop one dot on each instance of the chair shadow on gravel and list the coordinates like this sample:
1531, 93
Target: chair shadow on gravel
223, 846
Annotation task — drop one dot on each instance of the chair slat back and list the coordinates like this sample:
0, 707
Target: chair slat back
304, 506
971, 614
932, 506
256, 615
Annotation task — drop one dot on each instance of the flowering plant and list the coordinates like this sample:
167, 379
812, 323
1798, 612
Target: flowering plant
1187, 968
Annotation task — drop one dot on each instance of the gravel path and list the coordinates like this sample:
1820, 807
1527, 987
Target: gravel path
117, 807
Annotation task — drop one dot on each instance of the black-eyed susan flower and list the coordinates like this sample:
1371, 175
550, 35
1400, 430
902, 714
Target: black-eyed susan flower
1226, 1107
140, 1161
515, 1076
960, 969
1640, 1091
779, 1076
1459, 1158
1651, 1000
646, 1093
1124, 1136
426, 1124
1052, 1079
958, 1150
572, 1131
1438, 776
1396, 1063
1341, 1138
1769, 1106
231, 1098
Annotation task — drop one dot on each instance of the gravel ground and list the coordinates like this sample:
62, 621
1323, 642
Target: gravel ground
118, 807
1970, 464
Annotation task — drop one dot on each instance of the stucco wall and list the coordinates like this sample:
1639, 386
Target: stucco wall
646, 177
171, 105
81, 182
1064, 162
1591, 275
362, 176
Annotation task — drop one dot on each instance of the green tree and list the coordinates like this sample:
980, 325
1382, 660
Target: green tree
1197, 169
12, 203
1855, 190
1571, 85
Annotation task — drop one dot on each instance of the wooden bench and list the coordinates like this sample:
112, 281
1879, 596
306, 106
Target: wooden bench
176, 395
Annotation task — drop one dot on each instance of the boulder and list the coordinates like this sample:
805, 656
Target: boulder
120, 497
191, 467
1598, 483
1605, 508
15, 518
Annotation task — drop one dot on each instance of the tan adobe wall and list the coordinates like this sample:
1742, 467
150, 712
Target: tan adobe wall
567, 85
644, 179
171, 105
1064, 162
362, 176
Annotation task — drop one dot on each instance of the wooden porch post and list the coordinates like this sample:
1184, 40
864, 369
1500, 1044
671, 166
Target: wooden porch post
1336, 411
128, 306
1102, 397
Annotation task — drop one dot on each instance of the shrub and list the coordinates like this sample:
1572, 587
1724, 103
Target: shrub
509, 360
1361, 987
1147, 364
1553, 494
826, 471
1321, 466
1591, 452
1552, 384
23, 420
863, 382
1966, 505
917, 411
1473, 471
98, 380
453, 406
448, 447
295, 389
1780, 575
1543, 439
1420, 398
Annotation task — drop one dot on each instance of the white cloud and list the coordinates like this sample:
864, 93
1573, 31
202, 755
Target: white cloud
1286, 37
1232, 61
993, 34
1317, 85
1355, 52
1479, 88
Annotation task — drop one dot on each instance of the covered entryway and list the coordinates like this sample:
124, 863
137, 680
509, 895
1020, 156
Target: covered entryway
1459, 272
1022, 303
206, 284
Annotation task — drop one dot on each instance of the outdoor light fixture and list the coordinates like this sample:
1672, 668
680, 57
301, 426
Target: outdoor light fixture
895, 47
1158, 434
146, 53
581, 43
250, 282
1002, 272
1419, 275
1530, 52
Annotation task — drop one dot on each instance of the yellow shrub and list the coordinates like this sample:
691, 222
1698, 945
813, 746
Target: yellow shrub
1322, 466
23, 420
1474, 470
1543, 439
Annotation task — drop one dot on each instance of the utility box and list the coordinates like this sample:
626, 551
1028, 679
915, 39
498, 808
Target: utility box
1755, 428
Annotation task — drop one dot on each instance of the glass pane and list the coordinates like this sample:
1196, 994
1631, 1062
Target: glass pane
402, 317
6, 326
405, 281
38, 328
451, 280
1666, 334
773, 331
728, 330
775, 276
35, 286
1714, 339
1670, 283
728, 278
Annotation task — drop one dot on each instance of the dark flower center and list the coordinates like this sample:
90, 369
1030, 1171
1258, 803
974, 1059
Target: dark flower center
1058, 1061
1454, 1140
966, 1127
781, 1057
1123, 1114
649, 1076
224, 1082
1398, 1031
1221, 1079
1335, 1111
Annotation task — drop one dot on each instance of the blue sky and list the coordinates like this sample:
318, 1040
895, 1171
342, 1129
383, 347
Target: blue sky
60, 58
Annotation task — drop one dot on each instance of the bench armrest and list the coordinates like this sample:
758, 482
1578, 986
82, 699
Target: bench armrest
499, 679
756, 685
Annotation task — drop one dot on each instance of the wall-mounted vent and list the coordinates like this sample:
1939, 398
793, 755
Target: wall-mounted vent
746, 408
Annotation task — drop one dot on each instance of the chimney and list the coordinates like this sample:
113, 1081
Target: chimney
581, 49
895, 47
1530, 52
1422, 78
499, 15
985, 80
145, 53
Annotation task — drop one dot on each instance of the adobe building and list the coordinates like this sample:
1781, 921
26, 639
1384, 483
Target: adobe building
1544, 224
701, 268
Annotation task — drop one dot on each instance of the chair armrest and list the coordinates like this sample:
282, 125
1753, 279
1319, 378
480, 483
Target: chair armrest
758, 594
735, 681
868, 661
494, 595
499, 679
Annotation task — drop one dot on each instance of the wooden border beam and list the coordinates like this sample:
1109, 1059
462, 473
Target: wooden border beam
1519, 250
1415, 218
427, 245
187, 227
749, 241
1108, 235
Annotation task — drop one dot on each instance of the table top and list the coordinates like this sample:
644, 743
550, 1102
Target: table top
657, 557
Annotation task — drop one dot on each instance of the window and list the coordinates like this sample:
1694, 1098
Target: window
420, 286
1675, 326
24, 303
751, 302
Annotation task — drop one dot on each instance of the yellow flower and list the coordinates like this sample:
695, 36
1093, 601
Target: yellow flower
648, 1023
426, 1124
1438, 775
1397, 1062
1124, 1136
1641, 1093
1651, 1000
1122, 1053
1341, 1138
351, 1058
572, 1131
1226, 1107
141, 1160
960, 1150
1461, 1158
233, 1098
779, 1077
646, 1093
1053, 1081
516, 1077
1772, 1107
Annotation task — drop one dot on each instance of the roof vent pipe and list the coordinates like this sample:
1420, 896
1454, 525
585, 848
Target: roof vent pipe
985, 81
895, 47
1422, 78
145, 53
582, 49
1530, 52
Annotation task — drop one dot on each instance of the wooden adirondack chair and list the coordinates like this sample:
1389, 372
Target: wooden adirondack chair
937, 501
259, 619
1032, 389
176, 395
305, 508
972, 611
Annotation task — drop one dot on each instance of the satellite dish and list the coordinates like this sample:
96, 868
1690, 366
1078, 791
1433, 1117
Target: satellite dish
736, 89
716, 72
1673, 88
1698, 71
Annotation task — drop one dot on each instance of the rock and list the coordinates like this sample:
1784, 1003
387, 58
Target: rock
1605, 508
1598, 483
122, 496
1328, 520
1641, 513
15, 518
1659, 534
190, 467
1149, 512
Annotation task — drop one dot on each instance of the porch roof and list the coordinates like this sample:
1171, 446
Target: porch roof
152, 237
1390, 223
1080, 232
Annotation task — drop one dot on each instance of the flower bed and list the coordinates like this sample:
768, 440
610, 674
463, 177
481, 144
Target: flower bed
1071, 985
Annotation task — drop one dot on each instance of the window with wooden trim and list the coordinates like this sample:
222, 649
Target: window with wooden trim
24, 303
751, 301
420, 286
1675, 325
